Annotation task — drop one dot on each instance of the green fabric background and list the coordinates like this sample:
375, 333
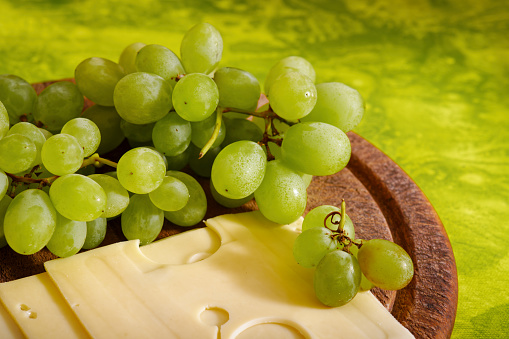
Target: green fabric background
435, 76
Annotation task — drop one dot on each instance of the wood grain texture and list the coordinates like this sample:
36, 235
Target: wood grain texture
382, 201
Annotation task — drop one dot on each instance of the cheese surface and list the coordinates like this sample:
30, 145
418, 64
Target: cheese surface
235, 278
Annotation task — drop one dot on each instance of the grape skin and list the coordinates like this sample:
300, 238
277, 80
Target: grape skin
127, 58
282, 195
316, 148
142, 220
142, 98
62, 154
239, 169
386, 264
195, 209
337, 278
18, 153
96, 78
78, 197
201, 49
141, 170
311, 246
96, 232
68, 237
86, 132
4, 120
29, 208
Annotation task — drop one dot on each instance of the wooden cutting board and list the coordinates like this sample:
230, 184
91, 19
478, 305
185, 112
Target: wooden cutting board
382, 201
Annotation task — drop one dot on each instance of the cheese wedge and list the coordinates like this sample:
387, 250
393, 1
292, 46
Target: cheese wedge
234, 279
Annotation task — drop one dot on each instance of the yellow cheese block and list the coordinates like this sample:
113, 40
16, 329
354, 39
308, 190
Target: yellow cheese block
235, 279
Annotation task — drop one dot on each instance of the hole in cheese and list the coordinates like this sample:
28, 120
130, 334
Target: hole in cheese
214, 316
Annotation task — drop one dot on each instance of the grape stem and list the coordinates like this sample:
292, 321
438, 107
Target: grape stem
339, 234
270, 131
215, 133
27, 179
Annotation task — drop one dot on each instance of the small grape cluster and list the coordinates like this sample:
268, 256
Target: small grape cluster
173, 111
345, 265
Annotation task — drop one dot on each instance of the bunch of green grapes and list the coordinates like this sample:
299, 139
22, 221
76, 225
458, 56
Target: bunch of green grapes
176, 111
345, 265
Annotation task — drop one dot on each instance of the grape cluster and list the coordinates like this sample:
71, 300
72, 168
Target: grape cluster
345, 265
174, 111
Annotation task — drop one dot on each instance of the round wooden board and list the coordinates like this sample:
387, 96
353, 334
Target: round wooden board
382, 201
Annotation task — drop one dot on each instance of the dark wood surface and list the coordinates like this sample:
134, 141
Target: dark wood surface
382, 201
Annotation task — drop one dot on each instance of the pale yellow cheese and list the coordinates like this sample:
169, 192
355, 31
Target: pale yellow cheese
39, 309
247, 279
8, 328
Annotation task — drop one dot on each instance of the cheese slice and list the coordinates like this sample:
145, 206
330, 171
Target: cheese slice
235, 279
8, 328
39, 309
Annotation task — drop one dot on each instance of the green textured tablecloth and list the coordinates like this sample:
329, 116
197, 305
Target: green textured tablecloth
435, 76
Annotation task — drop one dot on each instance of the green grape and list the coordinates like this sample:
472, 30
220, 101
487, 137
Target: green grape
195, 209
275, 150
30, 221
141, 170
33, 133
117, 197
338, 105
137, 135
96, 78
195, 97
282, 195
237, 88
311, 246
306, 178
163, 157
239, 169
179, 161
316, 218
4, 183
201, 49
57, 104
287, 65
365, 285
18, 153
46, 133
4, 120
337, 278
227, 202
62, 154
240, 129
127, 58
108, 122
86, 132
386, 264
142, 220
171, 195
141, 98
202, 131
292, 96
5, 201
159, 60
202, 166
78, 197
171, 135
68, 237
316, 148
96, 232
17, 96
